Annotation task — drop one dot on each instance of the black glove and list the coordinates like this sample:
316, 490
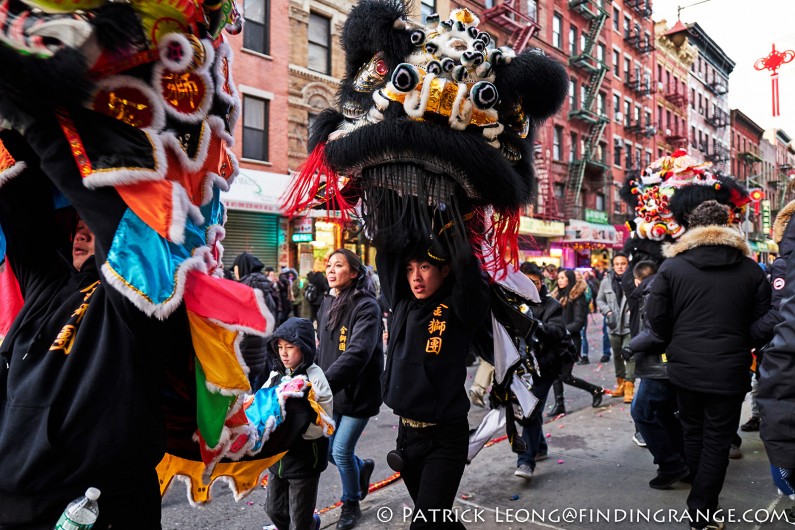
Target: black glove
627, 353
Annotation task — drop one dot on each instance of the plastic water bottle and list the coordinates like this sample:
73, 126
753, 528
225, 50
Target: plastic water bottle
81, 514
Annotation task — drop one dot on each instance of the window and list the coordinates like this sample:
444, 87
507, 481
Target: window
647, 114
617, 152
557, 143
572, 94
627, 69
659, 73
627, 110
616, 106
256, 32
600, 202
616, 63
532, 9
573, 41
559, 189
693, 98
573, 147
638, 156
600, 53
319, 44
428, 7
602, 154
626, 26
255, 128
557, 24
616, 19
628, 159
659, 116
601, 104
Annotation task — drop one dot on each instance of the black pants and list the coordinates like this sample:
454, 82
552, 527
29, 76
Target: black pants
567, 377
433, 463
290, 502
654, 411
709, 423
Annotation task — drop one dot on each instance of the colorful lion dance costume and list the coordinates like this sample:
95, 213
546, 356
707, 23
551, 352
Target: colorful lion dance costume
125, 113
666, 192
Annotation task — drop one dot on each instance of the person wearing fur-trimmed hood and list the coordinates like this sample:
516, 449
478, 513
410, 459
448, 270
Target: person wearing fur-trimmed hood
703, 303
776, 393
293, 480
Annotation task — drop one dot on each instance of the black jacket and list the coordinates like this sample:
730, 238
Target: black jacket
703, 303
776, 396
575, 312
550, 333
429, 339
353, 365
306, 457
650, 359
79, 406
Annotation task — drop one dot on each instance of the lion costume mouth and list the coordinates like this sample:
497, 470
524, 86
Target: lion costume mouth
28, 28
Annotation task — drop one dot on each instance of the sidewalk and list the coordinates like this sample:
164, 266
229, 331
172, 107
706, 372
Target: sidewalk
593, 468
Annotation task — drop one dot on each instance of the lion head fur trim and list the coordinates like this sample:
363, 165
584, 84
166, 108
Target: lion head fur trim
707, 236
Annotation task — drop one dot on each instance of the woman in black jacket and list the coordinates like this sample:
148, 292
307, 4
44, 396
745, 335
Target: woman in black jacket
571, 295
351, 355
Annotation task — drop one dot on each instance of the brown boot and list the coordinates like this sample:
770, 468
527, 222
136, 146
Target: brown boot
618, 391
629, 391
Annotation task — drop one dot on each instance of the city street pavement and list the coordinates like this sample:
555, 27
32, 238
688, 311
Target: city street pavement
594, 468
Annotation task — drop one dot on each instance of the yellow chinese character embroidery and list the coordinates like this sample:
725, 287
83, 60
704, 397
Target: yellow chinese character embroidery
434, 345
438, 311
436, 325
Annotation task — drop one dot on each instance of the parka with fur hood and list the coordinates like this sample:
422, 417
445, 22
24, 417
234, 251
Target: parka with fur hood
703, 302
776, 396
309, 455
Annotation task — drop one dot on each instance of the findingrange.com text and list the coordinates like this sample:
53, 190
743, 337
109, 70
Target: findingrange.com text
476, 515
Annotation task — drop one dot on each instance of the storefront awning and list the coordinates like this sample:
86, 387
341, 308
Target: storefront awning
256, 191
583, 232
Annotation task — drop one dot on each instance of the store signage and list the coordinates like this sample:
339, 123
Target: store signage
303, 238
596, 216
766, 216
580, 231
303, 225
541, 228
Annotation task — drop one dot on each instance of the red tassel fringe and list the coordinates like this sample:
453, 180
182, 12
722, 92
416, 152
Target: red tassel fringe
316, 183
495, 241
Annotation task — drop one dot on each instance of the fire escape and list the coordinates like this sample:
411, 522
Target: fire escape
641, 7
547, 208
508, 16
596, 70
640, 41
676, 138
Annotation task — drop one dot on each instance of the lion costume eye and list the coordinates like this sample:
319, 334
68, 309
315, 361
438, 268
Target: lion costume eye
417, 37
405, 77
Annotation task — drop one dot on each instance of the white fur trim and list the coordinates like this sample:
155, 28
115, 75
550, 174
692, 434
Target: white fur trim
462, 109
204, 104
209, 55
12, 172
144, 303
116, 177
191, 164
218, 127
224, 51
189, 489
121, 81
180, 39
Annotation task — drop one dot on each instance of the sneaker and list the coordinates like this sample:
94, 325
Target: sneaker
638, 439
524, 472
364, 477
350, 515
664, 481
316, 522
584, 360
604, 359
269, 527
752, 425
541, 456
735, 453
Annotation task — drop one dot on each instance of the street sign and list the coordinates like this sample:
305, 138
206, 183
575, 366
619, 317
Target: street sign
596, 216
766, 217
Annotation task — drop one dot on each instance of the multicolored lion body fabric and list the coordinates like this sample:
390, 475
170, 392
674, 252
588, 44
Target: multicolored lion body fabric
142, 91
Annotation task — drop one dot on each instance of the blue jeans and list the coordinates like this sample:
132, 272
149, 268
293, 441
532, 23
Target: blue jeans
606, 340
532, 433
654, 411
584, 335
340, 453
